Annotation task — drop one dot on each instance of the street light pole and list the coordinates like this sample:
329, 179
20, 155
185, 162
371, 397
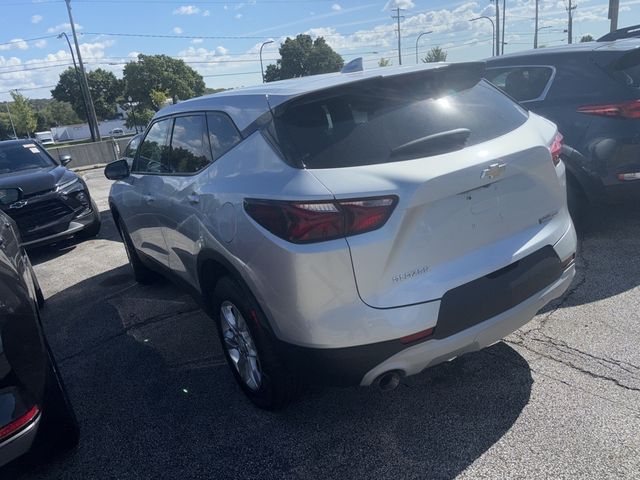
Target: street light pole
261, 67
75, 67
493, 35
11, 120
93, 121
133, 114
418, 39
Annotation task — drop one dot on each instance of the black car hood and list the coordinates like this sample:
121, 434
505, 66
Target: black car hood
37, 179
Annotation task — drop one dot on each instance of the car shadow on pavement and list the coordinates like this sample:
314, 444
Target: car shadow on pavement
155, 399
44, 253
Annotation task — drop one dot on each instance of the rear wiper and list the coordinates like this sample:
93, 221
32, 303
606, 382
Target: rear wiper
435, 144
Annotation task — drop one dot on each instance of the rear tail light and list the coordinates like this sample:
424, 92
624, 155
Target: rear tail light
556, 148
630, 109
414, 337
19, 423
625, 177
308, 222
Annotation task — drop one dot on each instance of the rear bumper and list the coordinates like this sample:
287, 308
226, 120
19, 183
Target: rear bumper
415, 359
20, 443
362, 364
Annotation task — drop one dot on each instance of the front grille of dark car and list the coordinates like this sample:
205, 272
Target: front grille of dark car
37, 214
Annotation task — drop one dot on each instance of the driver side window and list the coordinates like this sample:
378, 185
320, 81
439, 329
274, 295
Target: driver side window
153, 153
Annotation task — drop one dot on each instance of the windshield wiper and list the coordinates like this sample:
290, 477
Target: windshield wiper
435, 144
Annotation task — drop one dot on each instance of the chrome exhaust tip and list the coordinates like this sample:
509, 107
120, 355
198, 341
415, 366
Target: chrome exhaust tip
388, 381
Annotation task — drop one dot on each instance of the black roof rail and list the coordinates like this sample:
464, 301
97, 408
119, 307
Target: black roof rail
628, 32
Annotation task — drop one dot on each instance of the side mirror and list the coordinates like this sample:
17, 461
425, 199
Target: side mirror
65, 160
117, 170
9, 195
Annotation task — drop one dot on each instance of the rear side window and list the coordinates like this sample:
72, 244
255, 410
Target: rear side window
372, 124
522, 83
153, 154
189, 145
223, 134
626, 70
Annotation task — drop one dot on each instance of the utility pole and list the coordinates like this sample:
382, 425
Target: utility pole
15, 136
497, 2
92, 120
78, 78
614, 7
504, 17
570, 10
399, 17
535, 35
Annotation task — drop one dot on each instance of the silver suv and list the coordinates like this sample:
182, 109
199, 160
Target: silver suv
351, 228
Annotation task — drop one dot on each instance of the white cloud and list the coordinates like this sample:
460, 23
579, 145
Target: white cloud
40, 43
36, 18
238, 16
336, 7
63, 27
221, 50
15, 43
197, 41
399, 4
206, 13
177, 30
187, 10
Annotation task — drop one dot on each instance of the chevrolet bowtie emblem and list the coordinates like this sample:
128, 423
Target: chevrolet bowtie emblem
18, 204
494, 170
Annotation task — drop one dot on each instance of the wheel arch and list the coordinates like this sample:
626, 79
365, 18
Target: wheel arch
212, 266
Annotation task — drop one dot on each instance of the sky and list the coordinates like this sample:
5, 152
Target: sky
221, 39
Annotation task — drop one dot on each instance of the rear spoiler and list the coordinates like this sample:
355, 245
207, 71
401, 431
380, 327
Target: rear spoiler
627, 32
439, 80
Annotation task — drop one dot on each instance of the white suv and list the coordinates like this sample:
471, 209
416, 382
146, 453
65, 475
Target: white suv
351, 228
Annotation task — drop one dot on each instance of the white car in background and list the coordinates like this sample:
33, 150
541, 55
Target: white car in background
351, 228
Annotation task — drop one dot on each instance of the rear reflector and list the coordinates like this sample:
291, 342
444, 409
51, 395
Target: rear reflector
18, 423
414, 337
307, 222
630, 109
625, 177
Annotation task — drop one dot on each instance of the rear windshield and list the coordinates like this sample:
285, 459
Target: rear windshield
26, 156
626, 70
373, 124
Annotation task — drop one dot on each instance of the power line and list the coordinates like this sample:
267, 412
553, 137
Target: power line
27, 40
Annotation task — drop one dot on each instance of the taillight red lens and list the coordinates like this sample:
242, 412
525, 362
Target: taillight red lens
307, 222
556, 148
630, 109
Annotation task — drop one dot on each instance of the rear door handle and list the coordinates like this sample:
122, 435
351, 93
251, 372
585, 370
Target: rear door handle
194, 198
148, 198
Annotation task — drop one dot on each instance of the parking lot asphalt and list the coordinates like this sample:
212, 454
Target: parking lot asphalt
559, 398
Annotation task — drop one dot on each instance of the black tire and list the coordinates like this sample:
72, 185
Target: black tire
141, 273
59, 425
576, 200
279, 386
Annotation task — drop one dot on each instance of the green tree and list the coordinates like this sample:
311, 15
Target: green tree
105, 89
158, 98
303, 56
586, 38
163, 74
55, 113
6, 132
24, 117
384, 62
436, 54
139, 116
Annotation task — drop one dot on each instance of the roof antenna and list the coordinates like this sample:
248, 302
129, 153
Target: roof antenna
354, 65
